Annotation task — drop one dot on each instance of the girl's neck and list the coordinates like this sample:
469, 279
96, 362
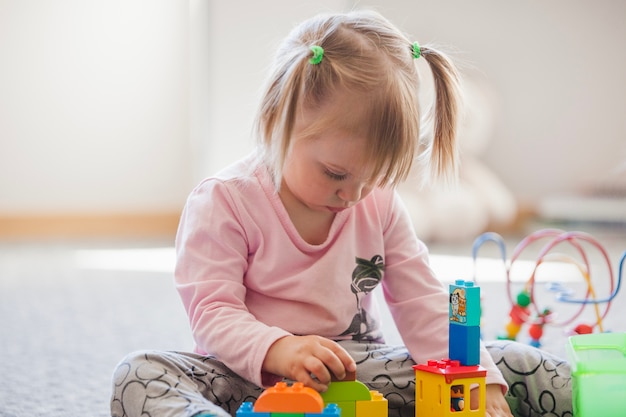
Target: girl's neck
313, 226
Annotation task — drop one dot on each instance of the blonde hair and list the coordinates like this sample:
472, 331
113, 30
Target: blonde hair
364, 54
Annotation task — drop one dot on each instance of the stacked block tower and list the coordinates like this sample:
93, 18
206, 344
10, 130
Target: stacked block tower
441, 386
464, 319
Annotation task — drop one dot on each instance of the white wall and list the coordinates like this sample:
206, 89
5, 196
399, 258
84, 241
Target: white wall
124, 105
555, 71
243, 36
558, 71
94, 108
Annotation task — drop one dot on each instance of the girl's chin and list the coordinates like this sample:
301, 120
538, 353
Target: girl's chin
335, 209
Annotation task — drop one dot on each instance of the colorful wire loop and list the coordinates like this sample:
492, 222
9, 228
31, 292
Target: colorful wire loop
564, 294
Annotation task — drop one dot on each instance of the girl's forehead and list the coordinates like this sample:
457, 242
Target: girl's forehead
348, 116
348, 105
342, 151
345, 111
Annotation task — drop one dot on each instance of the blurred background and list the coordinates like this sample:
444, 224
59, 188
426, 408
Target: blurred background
111, 111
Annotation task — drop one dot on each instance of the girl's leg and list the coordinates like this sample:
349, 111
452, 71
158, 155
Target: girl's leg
539, 382
153, 383
389, 370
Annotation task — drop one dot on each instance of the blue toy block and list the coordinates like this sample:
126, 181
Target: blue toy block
281, 414
464, 345
331, 410
464, 303
246, 409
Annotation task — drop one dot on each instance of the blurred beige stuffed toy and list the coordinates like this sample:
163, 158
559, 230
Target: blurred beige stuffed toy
479, 201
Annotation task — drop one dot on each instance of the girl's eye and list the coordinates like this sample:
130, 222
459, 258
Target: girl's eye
334, 176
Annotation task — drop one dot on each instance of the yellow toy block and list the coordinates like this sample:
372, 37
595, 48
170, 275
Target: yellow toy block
377, 407
437, 388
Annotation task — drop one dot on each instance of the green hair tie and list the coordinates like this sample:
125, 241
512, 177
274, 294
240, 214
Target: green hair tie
318, 54
417, 51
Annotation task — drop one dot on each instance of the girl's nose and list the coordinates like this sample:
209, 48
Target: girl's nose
351, 194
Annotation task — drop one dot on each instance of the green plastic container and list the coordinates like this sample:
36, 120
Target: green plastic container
598, 374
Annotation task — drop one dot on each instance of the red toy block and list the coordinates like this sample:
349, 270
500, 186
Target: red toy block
451, 369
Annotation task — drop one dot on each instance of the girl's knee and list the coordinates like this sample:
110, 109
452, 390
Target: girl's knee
523, 359
144, 376
539, 382
136, 363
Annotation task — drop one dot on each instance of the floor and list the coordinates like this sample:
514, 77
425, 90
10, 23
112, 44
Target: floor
69, 311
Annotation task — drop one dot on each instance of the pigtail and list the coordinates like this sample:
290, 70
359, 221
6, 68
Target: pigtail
443, 150
276, 118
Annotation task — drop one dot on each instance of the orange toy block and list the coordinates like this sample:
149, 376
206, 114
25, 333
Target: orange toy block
282, 398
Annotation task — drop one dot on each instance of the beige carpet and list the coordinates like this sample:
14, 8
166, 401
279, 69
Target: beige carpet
70, 312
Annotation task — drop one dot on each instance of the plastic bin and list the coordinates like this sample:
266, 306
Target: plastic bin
598, 374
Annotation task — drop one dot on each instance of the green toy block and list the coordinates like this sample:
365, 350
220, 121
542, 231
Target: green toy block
598, 363
345, 394
348, 408
345, 391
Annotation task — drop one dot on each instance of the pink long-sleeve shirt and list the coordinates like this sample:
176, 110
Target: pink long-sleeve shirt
247, 278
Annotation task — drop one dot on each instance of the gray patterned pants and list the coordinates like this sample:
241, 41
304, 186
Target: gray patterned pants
163, 384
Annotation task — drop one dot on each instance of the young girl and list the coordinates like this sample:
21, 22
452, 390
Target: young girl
277, 255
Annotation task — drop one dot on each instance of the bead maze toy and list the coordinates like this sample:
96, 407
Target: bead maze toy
525, 305
441, 385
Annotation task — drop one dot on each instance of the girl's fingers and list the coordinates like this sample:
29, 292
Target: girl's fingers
338, 360
315, 374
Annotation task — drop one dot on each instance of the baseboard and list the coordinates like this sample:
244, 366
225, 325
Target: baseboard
126, 225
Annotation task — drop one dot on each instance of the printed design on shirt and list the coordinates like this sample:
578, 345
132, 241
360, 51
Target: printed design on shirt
365, 277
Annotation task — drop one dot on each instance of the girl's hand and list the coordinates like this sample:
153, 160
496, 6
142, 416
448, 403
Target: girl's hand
308, 359
496, 404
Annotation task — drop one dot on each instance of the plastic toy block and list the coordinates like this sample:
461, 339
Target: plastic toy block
344, 391
356, 400
451, 370
345, 394
350, 376
348, 408
434, 393
296, 398
464, 303
464, 344
331, 410
287, 414
377, 407
598, 374
246, 410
